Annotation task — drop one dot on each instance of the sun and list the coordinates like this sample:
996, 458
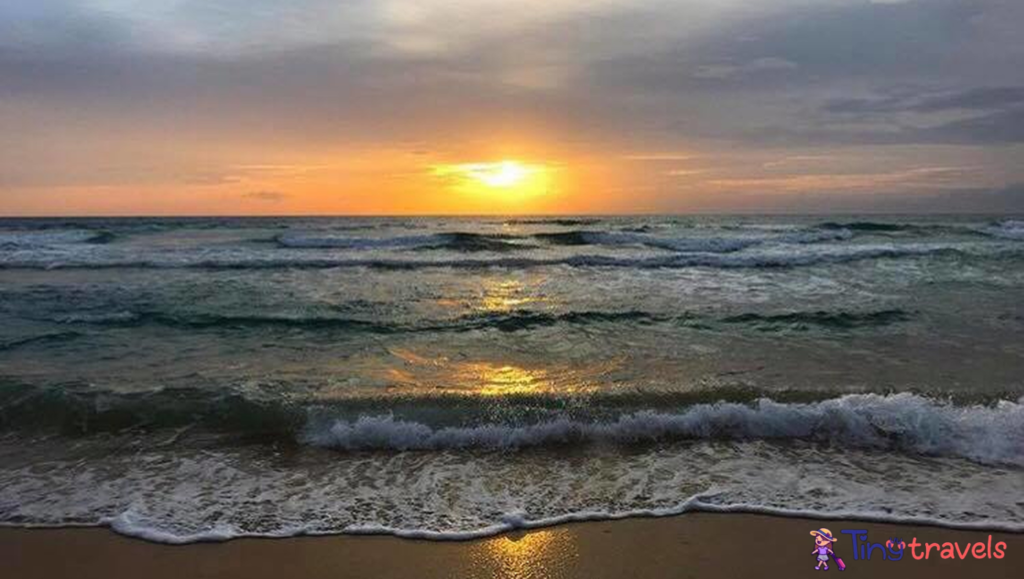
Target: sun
506, 175
500, 174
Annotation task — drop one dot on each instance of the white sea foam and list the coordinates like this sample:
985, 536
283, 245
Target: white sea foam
167, 466
207, 495
903, 421
1008, 229
776, 255
327, 241
681, 244
718, 244
45, 238
97, 317
709, 244
816, 235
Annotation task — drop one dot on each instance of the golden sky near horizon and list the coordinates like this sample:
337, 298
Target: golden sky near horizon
179, 107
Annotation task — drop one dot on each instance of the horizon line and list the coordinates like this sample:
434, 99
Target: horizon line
502, 215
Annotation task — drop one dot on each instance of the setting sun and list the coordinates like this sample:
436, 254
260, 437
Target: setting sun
501, 174
513, 179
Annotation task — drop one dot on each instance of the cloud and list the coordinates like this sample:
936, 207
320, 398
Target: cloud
756, 66
1008, 199
988, 129
658, 157
985, 98
996, 200
121, 92
797, 160
995, 128
266, 196
914, 178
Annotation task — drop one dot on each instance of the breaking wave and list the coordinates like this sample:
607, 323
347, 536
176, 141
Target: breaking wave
1008, 229
461, 241
18, 240
326, 241
905, 422
988, 433
771, 257
511, 321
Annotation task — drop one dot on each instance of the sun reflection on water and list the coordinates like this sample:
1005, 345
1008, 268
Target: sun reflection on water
459, 372
419, 373
499, 296
504, 296
493, 380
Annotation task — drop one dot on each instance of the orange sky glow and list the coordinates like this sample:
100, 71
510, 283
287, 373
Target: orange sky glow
398, 107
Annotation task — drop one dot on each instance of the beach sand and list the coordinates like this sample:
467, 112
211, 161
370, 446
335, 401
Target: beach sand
691, 545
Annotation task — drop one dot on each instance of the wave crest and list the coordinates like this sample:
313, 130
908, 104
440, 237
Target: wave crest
1008, 229
19, 240
511, 321
771, 257
906, 422
836, 319
463, 241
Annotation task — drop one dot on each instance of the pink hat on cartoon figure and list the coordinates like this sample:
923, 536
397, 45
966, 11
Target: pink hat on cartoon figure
825, 534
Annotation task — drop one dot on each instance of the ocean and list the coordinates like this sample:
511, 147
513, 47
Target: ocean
186, 379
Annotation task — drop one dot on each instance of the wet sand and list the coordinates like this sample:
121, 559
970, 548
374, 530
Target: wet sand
691, 545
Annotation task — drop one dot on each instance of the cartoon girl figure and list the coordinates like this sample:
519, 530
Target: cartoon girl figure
823, 540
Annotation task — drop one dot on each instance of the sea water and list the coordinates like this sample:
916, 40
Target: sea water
195, 379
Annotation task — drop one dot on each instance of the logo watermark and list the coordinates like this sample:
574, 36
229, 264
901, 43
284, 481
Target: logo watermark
894, 549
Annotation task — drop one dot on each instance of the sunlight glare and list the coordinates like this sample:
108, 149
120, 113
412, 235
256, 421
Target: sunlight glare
511, 176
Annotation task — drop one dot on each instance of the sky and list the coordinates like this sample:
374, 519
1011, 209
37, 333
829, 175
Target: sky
200, 107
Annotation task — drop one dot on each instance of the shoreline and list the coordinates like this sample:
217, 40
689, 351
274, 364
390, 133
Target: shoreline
520, 526
695, 544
